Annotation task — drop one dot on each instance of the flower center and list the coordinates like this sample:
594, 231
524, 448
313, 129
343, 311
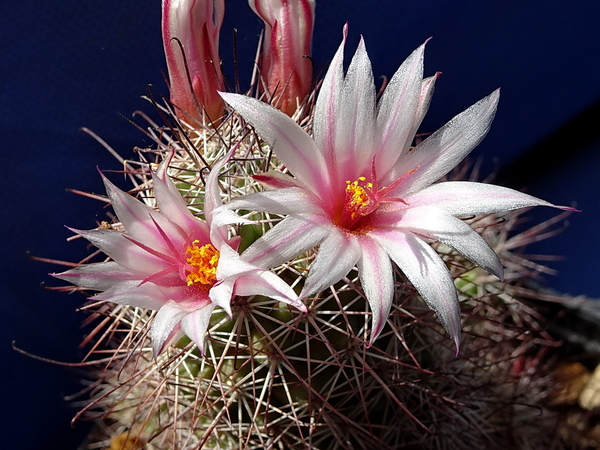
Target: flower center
203, 263
360, 199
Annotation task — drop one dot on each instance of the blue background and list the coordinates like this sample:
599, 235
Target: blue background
70, 64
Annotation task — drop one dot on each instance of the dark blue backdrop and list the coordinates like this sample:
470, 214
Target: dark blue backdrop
71, 64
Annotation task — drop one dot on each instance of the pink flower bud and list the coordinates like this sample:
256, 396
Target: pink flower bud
285, 67
190, 30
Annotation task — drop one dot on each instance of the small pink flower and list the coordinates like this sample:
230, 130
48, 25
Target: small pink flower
285, 65
190, 30
365, 196
173, 262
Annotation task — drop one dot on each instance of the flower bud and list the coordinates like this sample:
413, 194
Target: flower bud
286, 67
190, 30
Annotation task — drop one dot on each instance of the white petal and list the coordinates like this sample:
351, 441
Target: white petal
224, 216
290, 143
289, 238
435, 223
238, 277
355, 119
172, 204
221, 294
467, 198
123, 251
283, 201
327, 105
195, 324
427, 273
443, 150
141, 221
97, 276
263, 282
166, 326
398, 110
132, 294
377, 280
336, 257
212, 201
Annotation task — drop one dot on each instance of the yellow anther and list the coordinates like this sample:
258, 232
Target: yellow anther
204, 260
358, 196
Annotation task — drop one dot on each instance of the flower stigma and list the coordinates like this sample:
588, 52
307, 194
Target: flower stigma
203, 261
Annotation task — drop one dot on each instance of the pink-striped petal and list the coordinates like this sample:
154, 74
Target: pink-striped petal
263, 282
326, 107
296, 150
337, 255
467, 198
172, 205
292, 200
434, 223
131, 293
398, 109
126, 253
427, 273
446, 148
140, 220
195, 325
166, 325
355, 121
377, 281
278, 180
97, 276
289, 238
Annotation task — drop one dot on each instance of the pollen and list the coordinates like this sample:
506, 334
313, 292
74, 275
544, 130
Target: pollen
203, 261
357, 195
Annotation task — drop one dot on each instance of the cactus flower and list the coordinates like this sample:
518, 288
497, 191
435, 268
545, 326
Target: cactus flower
172, 262
190, 31
362, 194
285, 67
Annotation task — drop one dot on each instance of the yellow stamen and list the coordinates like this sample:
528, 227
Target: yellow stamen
204, 261
358, 197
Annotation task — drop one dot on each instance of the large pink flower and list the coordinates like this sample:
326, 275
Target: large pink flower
361, 192
172, 262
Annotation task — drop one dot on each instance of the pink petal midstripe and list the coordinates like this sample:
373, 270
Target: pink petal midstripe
377, 280
436, 224
397, 110
278, 180
289, 238
337, 255
443, 150
296, 150
467, 198
427, 273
